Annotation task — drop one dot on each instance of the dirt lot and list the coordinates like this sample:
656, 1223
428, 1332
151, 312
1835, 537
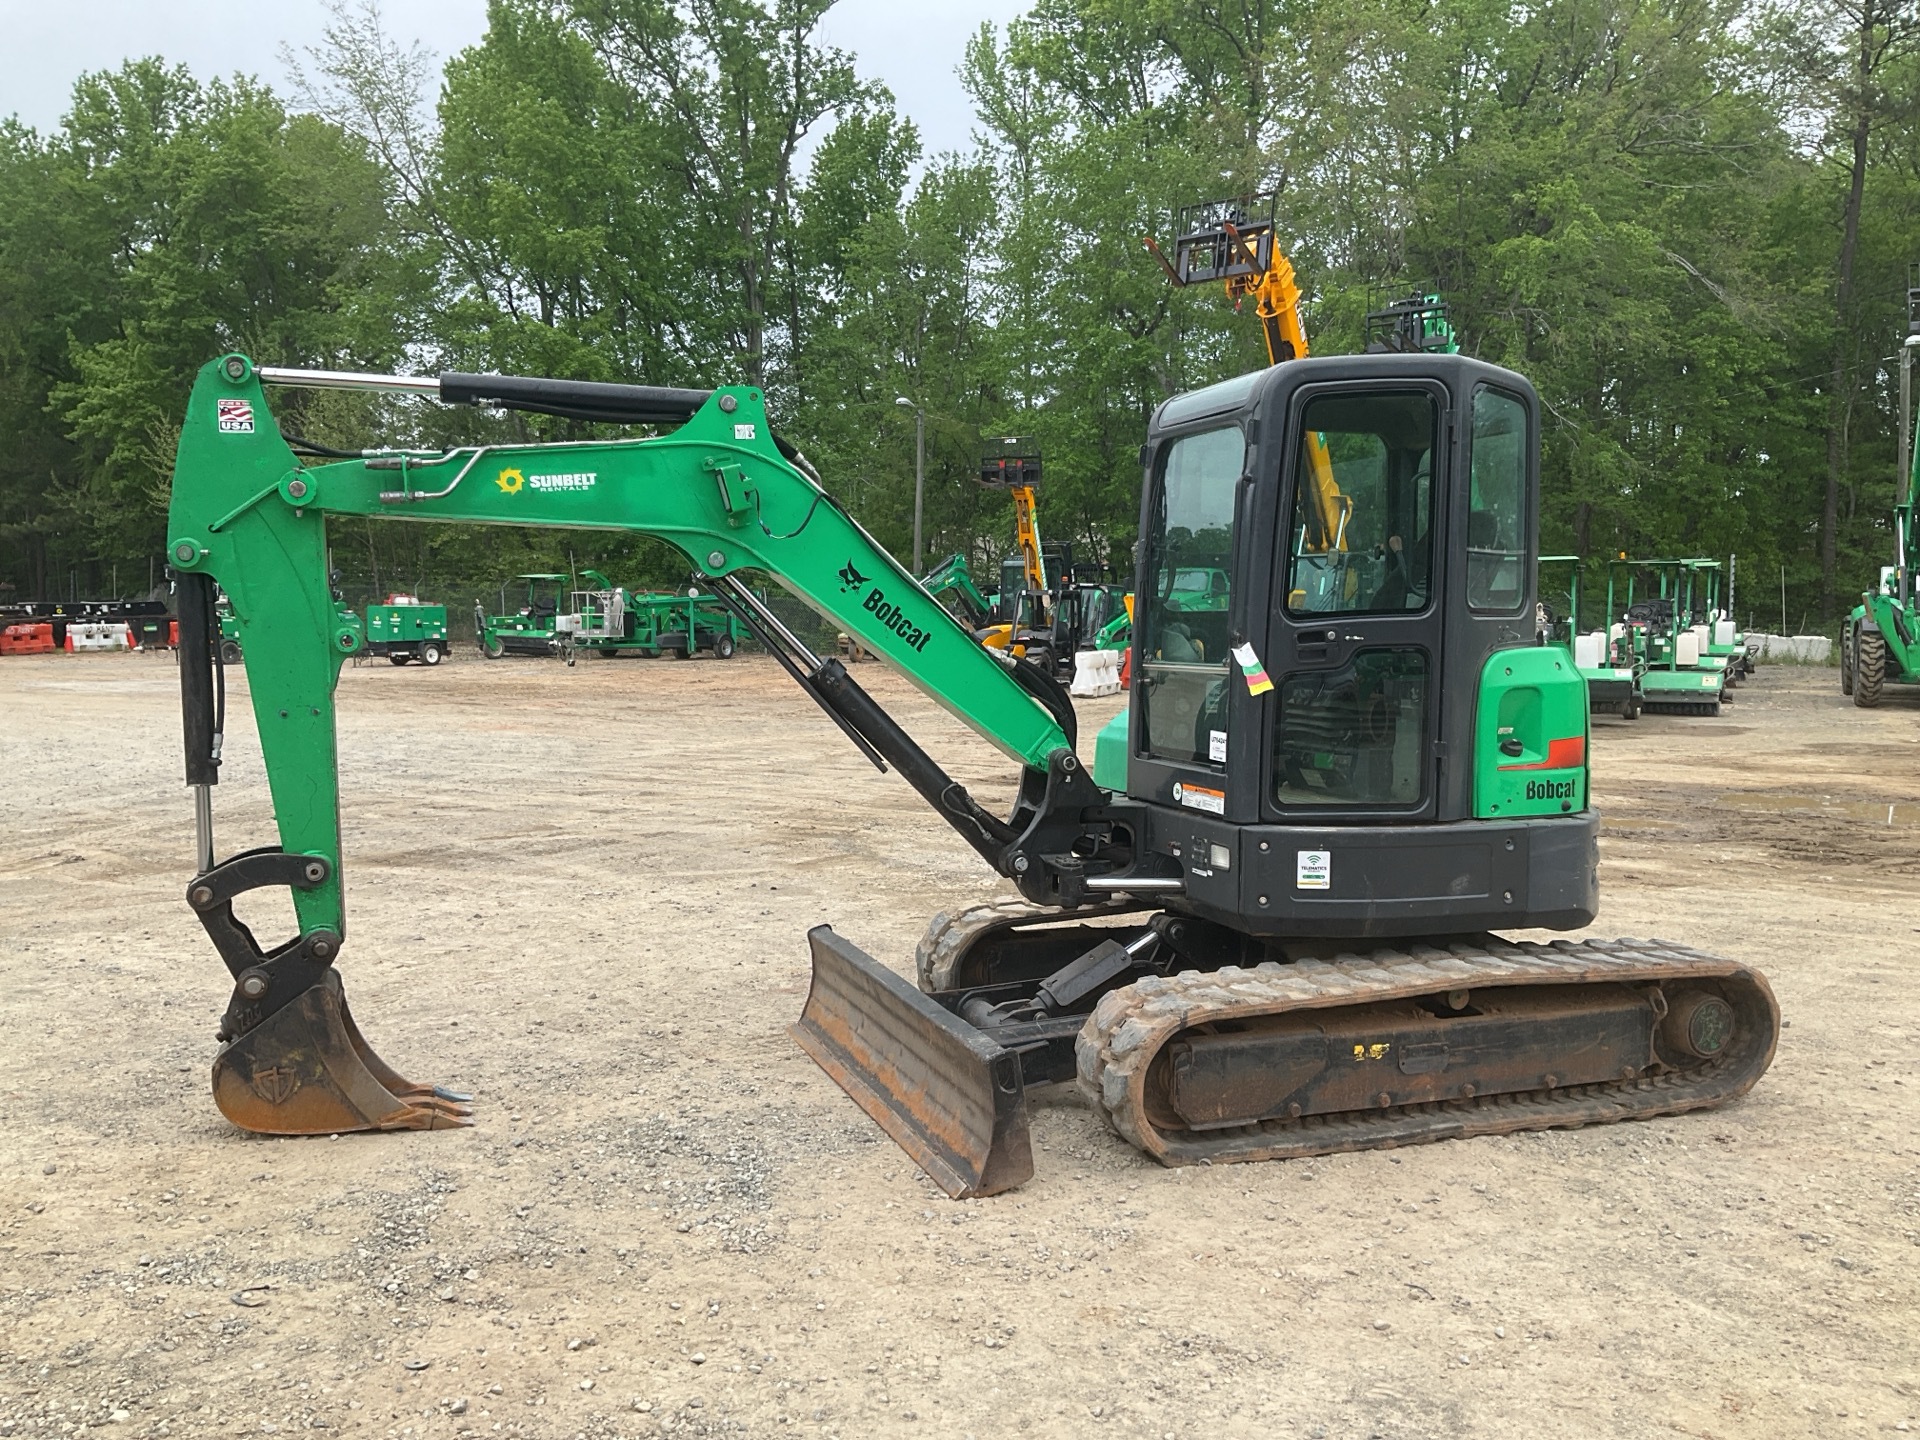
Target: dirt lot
582, 894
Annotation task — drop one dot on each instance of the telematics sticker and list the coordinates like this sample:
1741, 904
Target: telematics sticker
235, 417
1216, 745
1313, 869
1199, 797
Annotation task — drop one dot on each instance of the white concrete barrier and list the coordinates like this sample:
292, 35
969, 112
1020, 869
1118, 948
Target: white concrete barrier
1793, 649
1095, 673
91, 635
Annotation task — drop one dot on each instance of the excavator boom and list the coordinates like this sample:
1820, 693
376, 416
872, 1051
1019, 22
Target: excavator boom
247, 515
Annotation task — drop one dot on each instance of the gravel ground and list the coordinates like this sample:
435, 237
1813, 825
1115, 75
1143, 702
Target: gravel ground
582, 894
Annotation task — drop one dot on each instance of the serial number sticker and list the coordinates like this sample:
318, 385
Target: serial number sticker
743, 432
1199, 797
234, 417
1313, 869
1216, 745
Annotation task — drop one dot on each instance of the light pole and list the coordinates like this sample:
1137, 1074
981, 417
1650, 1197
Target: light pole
919, 473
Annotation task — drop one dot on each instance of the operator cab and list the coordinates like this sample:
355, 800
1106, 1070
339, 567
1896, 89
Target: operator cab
1333, 551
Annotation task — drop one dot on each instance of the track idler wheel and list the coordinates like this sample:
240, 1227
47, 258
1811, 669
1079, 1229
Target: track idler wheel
307, 1070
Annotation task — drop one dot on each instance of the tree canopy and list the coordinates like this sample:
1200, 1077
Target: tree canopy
1688, 222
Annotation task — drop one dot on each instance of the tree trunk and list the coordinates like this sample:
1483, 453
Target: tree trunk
1839, 396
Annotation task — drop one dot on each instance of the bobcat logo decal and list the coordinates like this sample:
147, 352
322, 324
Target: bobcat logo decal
850, 578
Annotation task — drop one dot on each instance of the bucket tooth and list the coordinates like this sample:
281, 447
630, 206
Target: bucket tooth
949, 1096
307, 1070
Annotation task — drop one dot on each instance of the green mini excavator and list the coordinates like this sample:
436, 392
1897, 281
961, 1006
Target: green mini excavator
1266, 928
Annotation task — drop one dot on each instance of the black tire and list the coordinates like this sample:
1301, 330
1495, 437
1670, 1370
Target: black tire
398, 658
492, 646
723, 648
1848, 639
229, 652
680, 652
1626, 708
431, 653
1869, 668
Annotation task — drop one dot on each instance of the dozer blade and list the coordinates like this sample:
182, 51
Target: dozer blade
949, 1096
307, 1070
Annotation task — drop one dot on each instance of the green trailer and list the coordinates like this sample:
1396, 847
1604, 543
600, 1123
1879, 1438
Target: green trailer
1612, 671
1881, 643
405, 630
683, 625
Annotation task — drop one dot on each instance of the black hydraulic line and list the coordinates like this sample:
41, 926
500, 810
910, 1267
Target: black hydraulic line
795, 458
198, 626
1051, 694
985, 832
314, 447
575, 399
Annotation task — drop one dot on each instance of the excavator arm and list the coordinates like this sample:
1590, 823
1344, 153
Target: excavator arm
248, 515
953, 576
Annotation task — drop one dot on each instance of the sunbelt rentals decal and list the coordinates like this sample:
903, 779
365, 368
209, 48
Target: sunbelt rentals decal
512, 481
885, 611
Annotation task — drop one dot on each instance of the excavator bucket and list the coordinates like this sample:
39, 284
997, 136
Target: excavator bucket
307, 1070
950, 1097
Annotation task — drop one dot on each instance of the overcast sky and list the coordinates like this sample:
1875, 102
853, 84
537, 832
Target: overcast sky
913, 46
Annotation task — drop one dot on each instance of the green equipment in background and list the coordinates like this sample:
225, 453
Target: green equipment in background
567, 619
1880, 645
1655, 628
1612, 672
953, 577
404, 630
535, 628
1712, 616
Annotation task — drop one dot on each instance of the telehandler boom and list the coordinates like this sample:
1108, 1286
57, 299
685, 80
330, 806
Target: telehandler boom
1267, 936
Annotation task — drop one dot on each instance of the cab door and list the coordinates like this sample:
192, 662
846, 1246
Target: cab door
1355, 626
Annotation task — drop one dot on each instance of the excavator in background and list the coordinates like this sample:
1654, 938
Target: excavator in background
1264, 926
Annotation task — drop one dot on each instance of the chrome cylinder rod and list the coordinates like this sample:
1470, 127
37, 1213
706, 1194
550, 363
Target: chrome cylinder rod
203, 825
349, 380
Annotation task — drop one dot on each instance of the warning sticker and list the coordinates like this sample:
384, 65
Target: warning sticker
234, 417
1216, 745
1313, 869
743, 432
1199, 797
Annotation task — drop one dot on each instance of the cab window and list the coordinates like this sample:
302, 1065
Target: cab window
1496, 517
1183, 616
1361, 535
